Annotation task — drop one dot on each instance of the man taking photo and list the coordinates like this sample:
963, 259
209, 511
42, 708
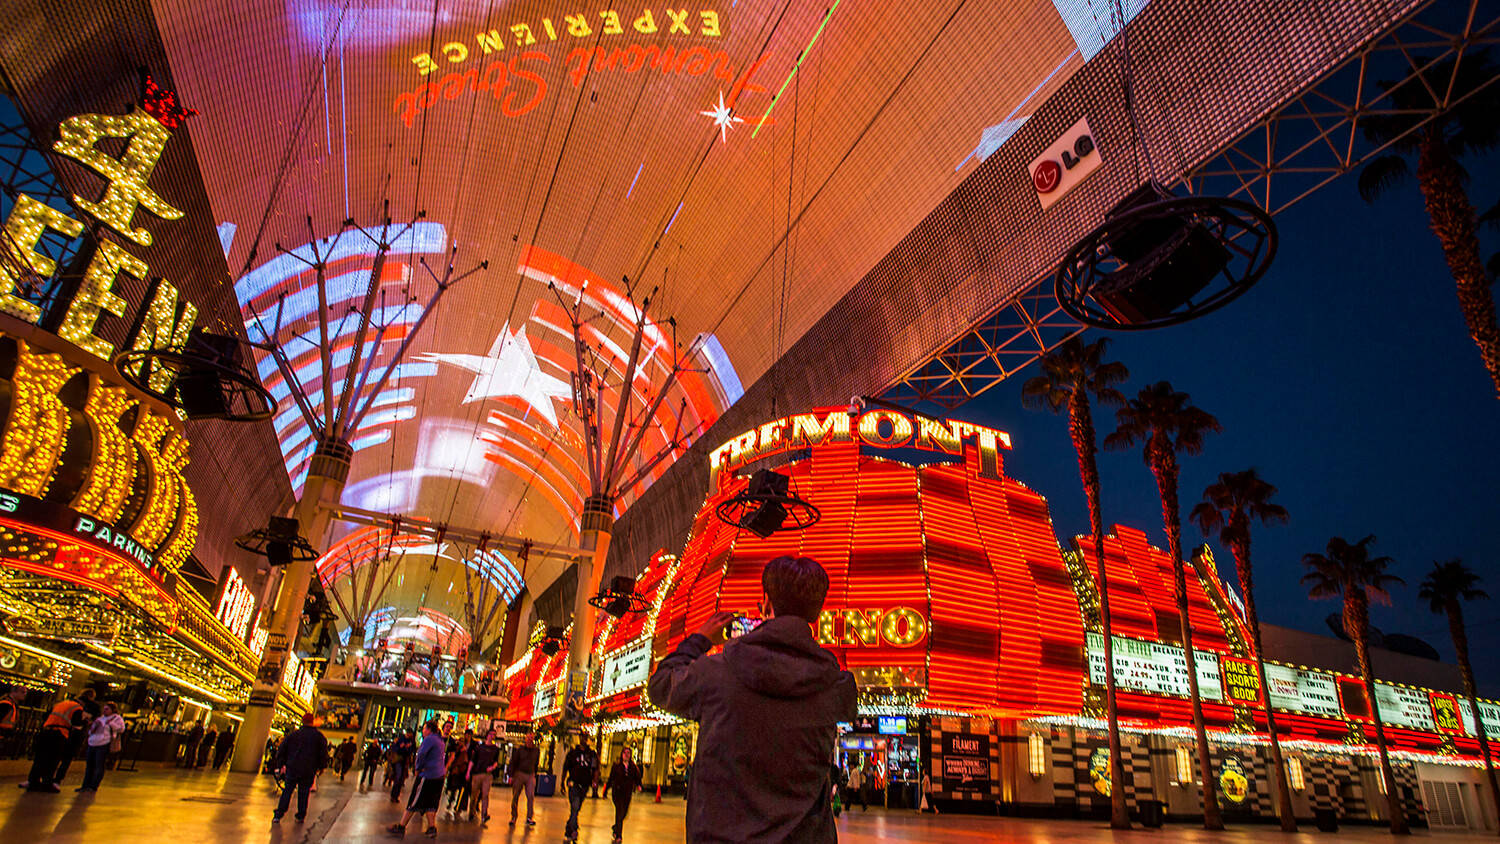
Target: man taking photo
773, 681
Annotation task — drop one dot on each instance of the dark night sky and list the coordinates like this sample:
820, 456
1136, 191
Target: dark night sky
1348, 379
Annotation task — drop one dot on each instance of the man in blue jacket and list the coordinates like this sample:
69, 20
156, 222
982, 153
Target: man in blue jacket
430, 769
301, 755
773, 681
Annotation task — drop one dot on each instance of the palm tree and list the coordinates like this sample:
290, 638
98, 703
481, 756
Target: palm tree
1445, 588
1071, 373
1166, 422
1348, 570
1470, 125
1228, 507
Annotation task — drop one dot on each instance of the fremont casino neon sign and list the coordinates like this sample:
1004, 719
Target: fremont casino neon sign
874, 428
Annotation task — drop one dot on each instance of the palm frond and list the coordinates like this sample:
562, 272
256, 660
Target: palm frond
1380, 175
1491, 217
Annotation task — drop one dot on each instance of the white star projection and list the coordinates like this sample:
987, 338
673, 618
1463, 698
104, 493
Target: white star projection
723, 117
509, 370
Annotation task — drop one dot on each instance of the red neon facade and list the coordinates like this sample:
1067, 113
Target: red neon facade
948, 591
975, 557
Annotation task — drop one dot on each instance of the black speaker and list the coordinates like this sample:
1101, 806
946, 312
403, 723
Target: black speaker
768, 515
200, 386
283, 534
1167, 260
621, 588
553, 641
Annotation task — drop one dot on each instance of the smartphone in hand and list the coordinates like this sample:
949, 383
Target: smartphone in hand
741, 625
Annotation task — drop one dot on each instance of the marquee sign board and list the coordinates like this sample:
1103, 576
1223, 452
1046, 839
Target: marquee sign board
1155, 667
627, 668
1403, 707
1299, 690
1490, 712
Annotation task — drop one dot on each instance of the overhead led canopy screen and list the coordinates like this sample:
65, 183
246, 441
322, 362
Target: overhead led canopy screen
749, 160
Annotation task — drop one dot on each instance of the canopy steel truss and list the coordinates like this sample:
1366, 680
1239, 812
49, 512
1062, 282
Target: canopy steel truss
1313, 138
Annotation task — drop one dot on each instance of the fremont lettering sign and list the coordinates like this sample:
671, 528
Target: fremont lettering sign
880, 428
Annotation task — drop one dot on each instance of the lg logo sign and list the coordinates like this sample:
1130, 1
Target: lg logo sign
1064, 164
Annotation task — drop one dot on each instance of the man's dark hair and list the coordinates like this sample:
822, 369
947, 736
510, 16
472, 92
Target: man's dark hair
431, 726
796, 586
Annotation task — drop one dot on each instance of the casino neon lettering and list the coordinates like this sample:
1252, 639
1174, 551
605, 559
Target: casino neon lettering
879, 428
899, 627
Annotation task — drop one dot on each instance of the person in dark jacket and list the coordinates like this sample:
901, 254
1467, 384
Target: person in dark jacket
206, 746
301, 755
371, 760
222, 747
344, 757
522, 772
773, 681
580, 769
190, 745
403, 748
624, 781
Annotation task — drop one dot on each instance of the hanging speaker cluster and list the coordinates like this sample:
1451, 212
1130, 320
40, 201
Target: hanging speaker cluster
205, 379
619, 598
1160, 259
280, 542
551, 640
767, 505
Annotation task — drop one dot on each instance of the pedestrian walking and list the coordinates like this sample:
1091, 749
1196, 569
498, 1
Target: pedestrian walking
856, 787
624, 781
50, 753
299, 758
484, 762
873, 791
190, 744
371, 763
103, 739
522, 772
206, 746
580, 769
776, 677
344, 757
428, 768
458, 771
222, 747
403, 748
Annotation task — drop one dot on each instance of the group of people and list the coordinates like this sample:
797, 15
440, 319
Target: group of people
774, 680
78, 723
859, 782
202, 743
462, 767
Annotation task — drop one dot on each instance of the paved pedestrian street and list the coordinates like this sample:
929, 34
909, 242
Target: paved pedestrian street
169, 806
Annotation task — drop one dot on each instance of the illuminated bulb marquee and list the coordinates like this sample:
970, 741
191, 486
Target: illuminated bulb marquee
879, 428
161, 321
85, 462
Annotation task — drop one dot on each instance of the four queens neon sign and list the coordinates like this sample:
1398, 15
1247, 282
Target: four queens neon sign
876, 428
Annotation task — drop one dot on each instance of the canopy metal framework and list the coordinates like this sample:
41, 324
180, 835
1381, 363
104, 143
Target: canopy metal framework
1316, 136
